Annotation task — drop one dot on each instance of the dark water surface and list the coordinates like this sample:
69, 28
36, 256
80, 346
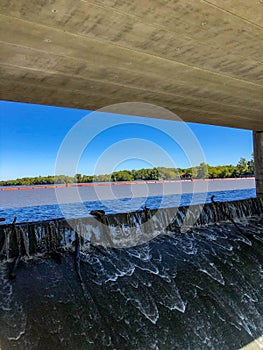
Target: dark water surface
201, 290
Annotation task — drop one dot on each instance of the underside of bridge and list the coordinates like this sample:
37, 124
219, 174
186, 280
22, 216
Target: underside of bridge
200, 59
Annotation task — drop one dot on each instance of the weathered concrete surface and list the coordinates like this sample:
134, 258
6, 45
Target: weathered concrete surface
255, 345
200, 59
258, 156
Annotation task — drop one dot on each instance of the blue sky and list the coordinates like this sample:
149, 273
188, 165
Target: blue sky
30, 137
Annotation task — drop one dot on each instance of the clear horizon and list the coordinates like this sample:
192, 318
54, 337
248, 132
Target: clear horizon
32, 134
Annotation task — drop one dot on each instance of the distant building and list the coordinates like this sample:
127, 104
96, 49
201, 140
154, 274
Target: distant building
186, 176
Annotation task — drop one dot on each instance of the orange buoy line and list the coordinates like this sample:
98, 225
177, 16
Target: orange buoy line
101, 184
120, 183
30, 188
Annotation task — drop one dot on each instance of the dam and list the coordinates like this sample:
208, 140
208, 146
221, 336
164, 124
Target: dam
120, 286
174, 278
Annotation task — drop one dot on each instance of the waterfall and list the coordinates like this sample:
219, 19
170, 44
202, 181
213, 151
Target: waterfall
196, 284
118, 230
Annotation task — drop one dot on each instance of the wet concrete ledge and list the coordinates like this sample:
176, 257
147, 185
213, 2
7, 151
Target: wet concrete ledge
28, 238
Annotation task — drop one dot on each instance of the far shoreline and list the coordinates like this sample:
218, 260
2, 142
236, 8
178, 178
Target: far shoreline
122, 183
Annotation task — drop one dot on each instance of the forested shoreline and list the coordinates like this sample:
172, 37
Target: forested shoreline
242, 169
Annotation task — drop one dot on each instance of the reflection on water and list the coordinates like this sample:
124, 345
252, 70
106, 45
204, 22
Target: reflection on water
77, 210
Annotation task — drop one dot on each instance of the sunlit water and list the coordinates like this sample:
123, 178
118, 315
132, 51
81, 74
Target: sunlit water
119, 205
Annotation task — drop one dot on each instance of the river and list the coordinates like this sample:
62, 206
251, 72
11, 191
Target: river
75, 202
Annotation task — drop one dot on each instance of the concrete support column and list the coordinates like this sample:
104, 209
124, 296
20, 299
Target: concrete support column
258, 158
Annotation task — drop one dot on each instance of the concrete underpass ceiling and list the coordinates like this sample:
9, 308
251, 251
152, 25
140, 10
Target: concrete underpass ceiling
203, 60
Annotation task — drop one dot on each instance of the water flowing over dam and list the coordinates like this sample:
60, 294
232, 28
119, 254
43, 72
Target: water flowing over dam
178, 278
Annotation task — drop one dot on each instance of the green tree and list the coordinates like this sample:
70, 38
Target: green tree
78, 178
124, 175
242, 168
251, 165
202, 171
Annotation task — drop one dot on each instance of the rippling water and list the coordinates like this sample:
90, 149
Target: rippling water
76, 210
201, 290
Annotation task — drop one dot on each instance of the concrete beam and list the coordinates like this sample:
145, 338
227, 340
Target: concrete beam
255, 345
258, 157
202, 59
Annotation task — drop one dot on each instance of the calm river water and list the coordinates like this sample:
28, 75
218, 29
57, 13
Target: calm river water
42, 204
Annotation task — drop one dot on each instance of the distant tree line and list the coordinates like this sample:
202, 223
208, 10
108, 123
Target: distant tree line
242, 169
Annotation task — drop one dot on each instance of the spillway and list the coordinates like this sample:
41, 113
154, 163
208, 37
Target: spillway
178, 278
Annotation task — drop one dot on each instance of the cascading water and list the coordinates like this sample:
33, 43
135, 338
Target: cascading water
80, 285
